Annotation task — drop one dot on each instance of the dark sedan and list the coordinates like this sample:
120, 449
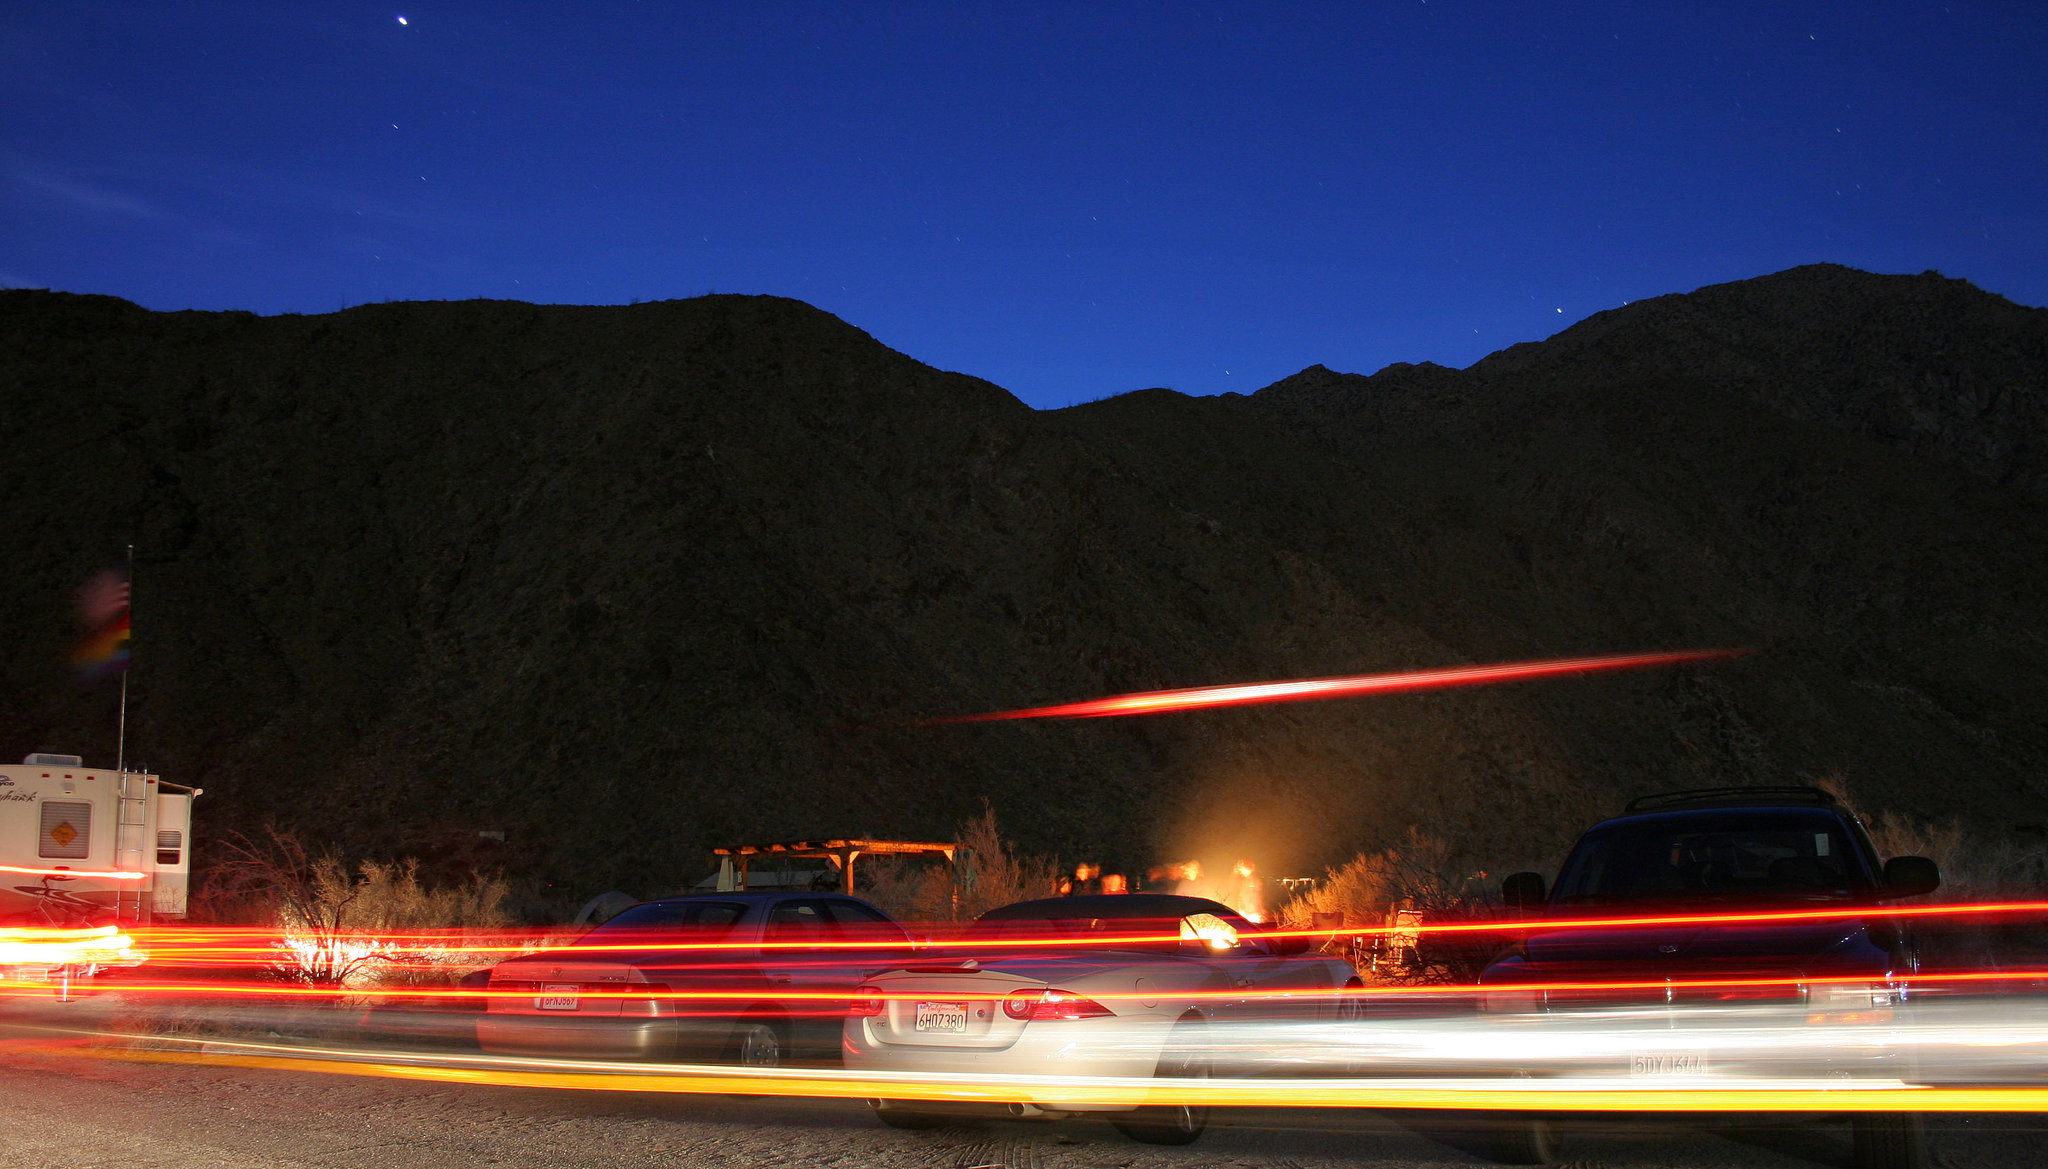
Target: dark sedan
756, 979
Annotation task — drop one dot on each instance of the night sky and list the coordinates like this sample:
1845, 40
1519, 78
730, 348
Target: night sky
1071, 200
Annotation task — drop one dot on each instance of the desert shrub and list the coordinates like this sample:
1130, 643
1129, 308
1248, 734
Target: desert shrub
339, 923
994, 873
1374, 890
1974, 866
989, 872
1422, 873
909, 889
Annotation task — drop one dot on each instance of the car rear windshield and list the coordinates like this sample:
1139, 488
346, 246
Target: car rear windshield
706, 918
1148, 925
1726, 857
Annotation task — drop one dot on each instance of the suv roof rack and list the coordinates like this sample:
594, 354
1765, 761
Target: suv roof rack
1704, 797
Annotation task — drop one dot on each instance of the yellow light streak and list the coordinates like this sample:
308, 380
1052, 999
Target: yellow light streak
1503, 1093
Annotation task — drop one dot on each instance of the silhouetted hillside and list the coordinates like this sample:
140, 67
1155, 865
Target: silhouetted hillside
623, 582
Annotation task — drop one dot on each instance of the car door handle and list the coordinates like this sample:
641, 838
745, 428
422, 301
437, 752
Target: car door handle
779, 979
1243, 982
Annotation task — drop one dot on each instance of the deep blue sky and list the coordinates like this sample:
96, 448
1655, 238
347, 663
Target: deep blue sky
1071, 200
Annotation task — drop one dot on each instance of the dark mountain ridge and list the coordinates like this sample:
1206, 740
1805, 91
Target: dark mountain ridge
625, 582
1925, 364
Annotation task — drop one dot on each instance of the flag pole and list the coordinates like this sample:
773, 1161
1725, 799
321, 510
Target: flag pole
121, 735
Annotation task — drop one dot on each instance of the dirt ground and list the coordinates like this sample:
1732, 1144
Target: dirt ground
80, 1112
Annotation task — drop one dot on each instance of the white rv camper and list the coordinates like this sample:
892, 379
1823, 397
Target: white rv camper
83, 846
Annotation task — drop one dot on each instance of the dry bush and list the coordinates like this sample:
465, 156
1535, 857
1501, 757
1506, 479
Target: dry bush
992, 873
1423, 874
909, 889
340, 924
390, 900
988, 873
1973, 867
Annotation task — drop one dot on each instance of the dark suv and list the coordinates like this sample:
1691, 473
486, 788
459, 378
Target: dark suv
1683, 985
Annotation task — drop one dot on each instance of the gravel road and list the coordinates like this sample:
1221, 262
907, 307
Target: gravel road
83, 1112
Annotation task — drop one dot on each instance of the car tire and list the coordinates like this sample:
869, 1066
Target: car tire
1522, 1138
908, 1118
1890, 1140
1172, 1124
758, 1043
1351, 1007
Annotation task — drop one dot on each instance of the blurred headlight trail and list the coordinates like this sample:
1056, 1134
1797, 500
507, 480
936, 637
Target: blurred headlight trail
1349, 686
1052, 1092
1977, 1055
101, 946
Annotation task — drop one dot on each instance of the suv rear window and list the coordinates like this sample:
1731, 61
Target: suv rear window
1729, 856
709, 917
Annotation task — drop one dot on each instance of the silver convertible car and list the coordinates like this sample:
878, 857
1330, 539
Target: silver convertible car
1123, 986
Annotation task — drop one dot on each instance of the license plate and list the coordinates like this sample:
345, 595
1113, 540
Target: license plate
558, 996
942, 1017
1657, 1064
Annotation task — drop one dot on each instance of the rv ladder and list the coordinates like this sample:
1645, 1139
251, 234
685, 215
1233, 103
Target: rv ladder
131, 828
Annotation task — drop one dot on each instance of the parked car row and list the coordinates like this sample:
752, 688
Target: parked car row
1132, 985
754, 978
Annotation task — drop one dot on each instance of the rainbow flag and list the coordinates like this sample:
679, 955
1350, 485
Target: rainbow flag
103, 604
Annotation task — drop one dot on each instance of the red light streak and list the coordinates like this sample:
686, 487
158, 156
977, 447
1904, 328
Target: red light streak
1350, 686
230, 946
748, 993
1761, 917
98, 874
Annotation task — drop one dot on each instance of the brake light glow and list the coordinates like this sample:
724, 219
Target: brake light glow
1058, 1004
866, 1003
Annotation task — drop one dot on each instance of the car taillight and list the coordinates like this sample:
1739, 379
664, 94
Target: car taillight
499, 992
1851, 1002
866, 1002
1052, 1004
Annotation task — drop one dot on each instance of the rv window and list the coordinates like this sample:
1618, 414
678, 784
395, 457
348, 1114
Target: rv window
168, 845
66, 830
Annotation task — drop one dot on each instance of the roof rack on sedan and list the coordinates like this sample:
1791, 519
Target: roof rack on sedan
1705, 797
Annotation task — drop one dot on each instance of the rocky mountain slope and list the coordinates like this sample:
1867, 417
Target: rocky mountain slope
624, 582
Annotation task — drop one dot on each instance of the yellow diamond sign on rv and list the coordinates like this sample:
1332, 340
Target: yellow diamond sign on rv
63, 834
